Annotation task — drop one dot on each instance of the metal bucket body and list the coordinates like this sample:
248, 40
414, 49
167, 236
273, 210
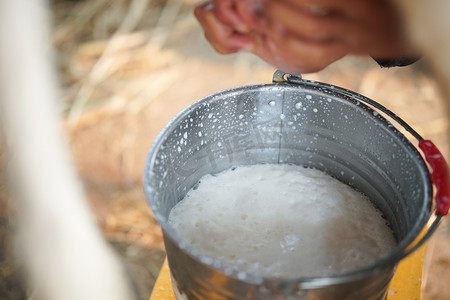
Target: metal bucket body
309, 124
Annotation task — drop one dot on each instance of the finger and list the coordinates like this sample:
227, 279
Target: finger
221, 36
226, 11
304, 24
323, 7
300, 56
252, 13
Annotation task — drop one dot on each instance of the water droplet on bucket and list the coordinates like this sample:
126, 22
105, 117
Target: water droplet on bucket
241, 275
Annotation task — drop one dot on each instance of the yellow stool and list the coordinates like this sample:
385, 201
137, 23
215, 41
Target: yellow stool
406, 283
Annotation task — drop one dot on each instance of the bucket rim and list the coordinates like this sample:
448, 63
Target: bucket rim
388, 261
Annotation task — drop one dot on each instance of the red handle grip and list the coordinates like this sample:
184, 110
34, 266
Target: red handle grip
439, 176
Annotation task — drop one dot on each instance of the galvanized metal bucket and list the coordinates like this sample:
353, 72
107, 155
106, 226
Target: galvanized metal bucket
289, 121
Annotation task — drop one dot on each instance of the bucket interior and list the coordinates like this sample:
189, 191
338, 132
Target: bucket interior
306, 125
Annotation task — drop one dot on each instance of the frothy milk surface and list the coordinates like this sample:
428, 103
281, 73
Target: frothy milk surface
282, 221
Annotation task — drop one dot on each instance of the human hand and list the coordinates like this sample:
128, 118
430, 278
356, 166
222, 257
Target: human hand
223, 27
301, 36
373, 27
231, 26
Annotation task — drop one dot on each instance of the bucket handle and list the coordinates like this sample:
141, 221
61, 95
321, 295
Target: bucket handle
440, 170
440, 178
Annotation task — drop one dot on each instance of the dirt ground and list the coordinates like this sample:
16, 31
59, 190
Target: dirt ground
118, 94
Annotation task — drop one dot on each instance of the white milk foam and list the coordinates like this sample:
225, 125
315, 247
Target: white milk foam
282, 221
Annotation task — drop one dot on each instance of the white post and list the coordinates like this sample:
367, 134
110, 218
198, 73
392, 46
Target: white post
428, 22
64, 252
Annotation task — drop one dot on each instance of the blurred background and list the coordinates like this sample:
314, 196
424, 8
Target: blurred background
126, 67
